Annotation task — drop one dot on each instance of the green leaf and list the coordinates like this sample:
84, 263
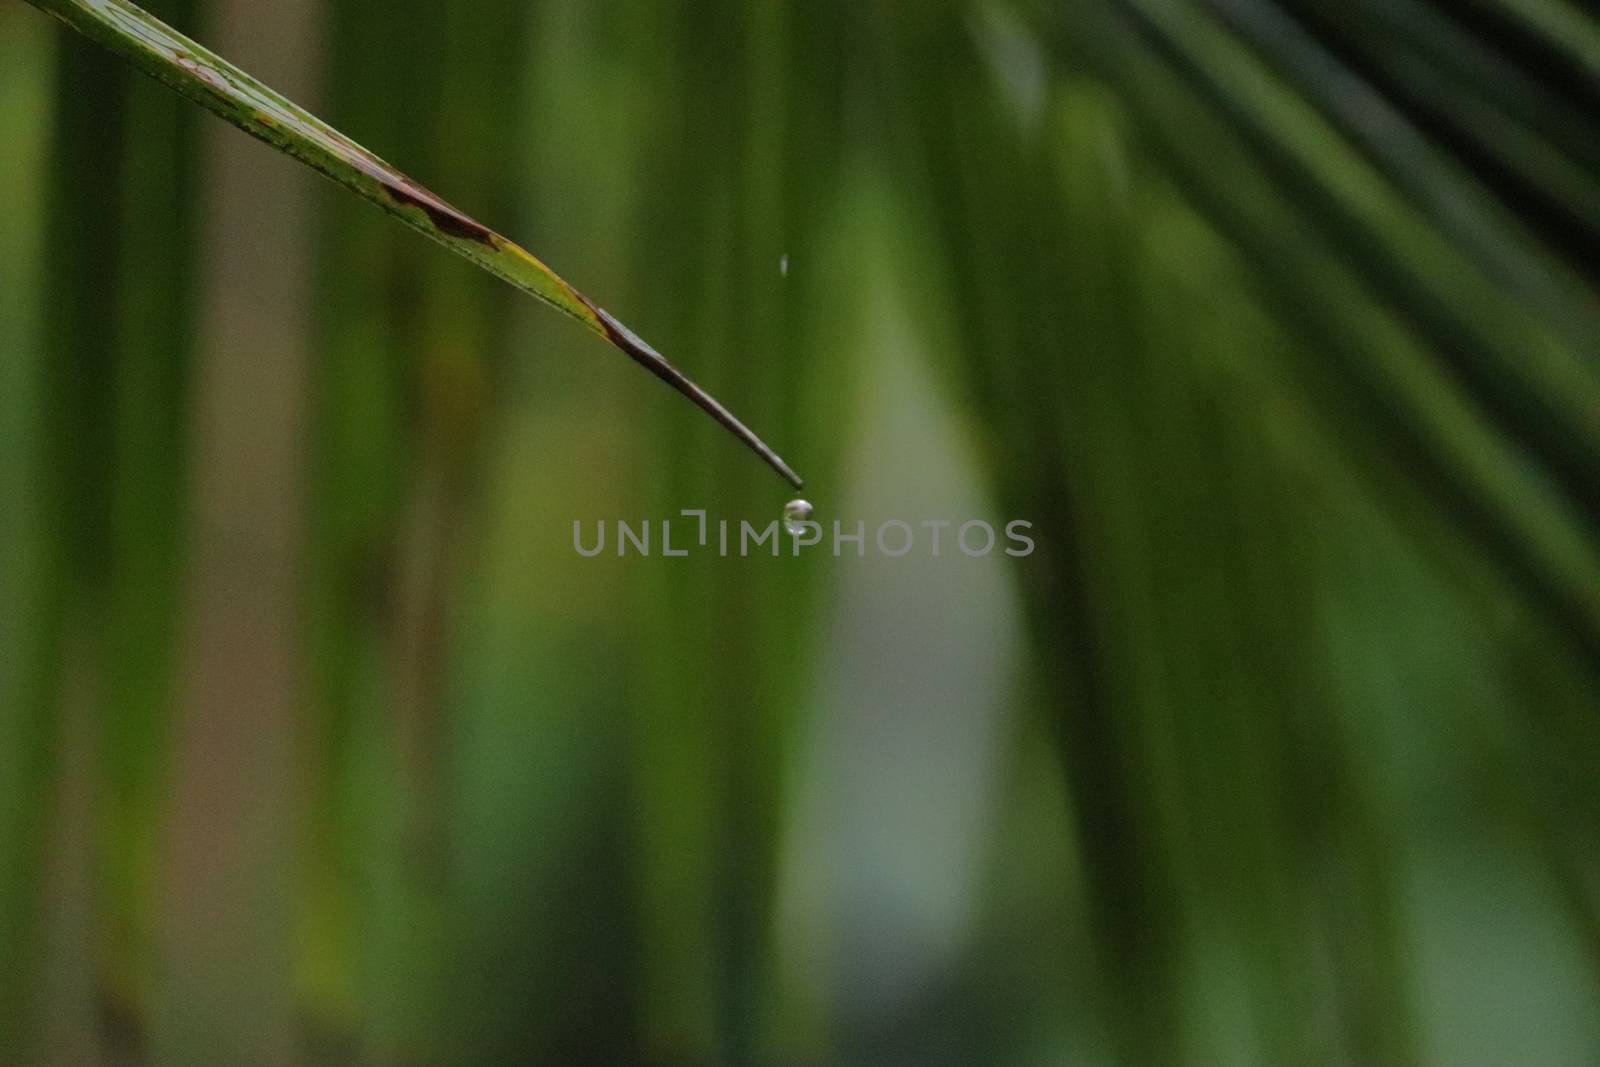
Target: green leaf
220, 87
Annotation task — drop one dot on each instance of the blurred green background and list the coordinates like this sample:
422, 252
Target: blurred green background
319, 744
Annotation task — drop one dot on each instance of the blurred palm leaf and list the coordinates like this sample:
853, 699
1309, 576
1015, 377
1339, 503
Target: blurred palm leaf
1226, 268
1488, 364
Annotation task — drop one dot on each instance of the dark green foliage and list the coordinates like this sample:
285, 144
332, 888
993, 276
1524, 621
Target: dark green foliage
1276, 318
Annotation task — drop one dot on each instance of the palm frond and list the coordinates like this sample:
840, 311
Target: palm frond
253, 107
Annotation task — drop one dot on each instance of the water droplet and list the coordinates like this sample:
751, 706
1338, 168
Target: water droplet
796, 512
783, 264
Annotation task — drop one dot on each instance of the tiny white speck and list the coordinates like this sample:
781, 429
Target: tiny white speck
783, 264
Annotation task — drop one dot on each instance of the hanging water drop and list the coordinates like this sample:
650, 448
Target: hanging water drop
796, 512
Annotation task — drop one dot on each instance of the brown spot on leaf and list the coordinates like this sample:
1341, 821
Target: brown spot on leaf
445, 218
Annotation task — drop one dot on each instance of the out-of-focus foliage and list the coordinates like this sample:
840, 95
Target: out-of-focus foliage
1263, 293
319, 743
